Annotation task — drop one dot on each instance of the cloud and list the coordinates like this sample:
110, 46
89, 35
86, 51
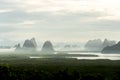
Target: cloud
5, 10
55, 5
65, 7
59, 19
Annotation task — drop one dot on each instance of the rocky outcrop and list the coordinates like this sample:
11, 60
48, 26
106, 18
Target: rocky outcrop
18, 47
94, 45
107, 42
29, 45
98, 45
112, 49
34, 42
47, 48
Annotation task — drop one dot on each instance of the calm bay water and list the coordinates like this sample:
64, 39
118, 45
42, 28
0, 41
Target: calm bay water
99, 56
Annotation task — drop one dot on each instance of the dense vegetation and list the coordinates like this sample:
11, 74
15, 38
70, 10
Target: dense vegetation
58, 69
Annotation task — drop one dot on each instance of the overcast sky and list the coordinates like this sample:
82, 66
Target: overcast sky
59, 20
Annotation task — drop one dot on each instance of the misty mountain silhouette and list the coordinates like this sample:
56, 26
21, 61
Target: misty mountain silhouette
47, 47
112, 49
29, 45
98, 44
18, 47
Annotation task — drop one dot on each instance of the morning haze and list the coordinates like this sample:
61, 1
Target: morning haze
78, 20
59, 39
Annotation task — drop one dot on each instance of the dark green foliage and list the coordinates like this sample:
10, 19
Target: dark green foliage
59, 69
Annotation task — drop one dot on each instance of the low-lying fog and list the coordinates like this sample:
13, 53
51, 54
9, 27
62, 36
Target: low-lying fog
77, 55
